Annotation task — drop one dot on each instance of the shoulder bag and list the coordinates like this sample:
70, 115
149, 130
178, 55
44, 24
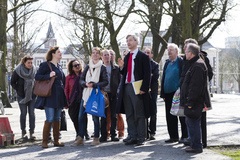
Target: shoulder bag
43, 88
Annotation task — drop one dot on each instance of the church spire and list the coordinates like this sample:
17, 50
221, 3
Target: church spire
50, 38
50, 33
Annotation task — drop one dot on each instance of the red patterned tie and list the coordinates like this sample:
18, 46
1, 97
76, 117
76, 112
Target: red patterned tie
129, 69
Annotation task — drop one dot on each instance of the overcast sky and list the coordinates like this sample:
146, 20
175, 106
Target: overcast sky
228, 28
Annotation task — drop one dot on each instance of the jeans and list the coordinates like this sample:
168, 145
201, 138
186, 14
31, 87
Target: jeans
82, 117
96, 126
194, 127
23, 113
52, 114
82, 120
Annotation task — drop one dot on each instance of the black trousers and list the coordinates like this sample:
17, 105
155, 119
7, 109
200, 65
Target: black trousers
172, 121
204, 129
152, 124
73, 112
103, 126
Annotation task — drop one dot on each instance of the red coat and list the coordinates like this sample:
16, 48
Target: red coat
70, 80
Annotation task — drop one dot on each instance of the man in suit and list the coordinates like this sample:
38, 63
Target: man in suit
152, 125
135, 67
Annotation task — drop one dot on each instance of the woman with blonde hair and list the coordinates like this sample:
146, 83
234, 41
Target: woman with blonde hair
22, 81
94, 74
53, 104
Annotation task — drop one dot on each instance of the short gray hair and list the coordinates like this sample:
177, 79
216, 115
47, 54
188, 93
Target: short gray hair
194, 48
134, 36
173, 45
191, 40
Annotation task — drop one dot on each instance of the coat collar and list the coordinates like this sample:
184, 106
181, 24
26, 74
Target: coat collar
194, 59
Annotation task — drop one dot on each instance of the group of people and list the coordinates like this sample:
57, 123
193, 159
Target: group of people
190, 73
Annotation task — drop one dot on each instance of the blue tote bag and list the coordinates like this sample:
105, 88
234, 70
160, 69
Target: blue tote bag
96, 103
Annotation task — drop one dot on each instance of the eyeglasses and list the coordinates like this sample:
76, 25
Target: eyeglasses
76, 65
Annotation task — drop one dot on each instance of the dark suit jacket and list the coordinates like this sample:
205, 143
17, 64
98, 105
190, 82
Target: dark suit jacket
154, 77
142, 71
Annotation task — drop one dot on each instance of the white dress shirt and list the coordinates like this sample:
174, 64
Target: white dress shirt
133, 64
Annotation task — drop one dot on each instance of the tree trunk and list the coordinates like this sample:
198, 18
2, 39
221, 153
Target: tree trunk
3, 47
15, 57
186, 20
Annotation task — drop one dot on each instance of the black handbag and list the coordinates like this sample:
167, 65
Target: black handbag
63, 126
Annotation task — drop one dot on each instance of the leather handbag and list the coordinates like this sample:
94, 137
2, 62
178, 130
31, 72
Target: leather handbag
106, 98
43, 88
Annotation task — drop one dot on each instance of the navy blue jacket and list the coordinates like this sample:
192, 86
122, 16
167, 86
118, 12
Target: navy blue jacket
162, 95
154, 77
58, 98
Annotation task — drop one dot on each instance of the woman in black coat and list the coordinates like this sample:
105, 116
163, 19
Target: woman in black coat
94, 74
22, 81
54, 104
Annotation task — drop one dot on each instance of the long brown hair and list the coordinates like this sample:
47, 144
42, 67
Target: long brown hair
51, 51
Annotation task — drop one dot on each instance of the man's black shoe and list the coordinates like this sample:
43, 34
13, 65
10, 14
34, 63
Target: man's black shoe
87, 136
115, 139
131, 142
127, 139
187, 142
152, 137
171, 140
102, 139
182, 140
140, 143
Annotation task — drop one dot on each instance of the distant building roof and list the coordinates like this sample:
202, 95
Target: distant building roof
207, 45
41, 50
75, 49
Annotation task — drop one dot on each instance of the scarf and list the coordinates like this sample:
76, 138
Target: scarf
93, 75
28, 76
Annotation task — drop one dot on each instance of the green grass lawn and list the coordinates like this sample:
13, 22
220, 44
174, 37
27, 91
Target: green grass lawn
233, 151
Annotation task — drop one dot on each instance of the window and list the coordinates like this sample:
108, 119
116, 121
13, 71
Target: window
63, 63
38, 62
148, 40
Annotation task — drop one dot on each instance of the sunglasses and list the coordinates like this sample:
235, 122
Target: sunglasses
76, 65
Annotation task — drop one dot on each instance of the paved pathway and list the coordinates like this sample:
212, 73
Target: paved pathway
222, 122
